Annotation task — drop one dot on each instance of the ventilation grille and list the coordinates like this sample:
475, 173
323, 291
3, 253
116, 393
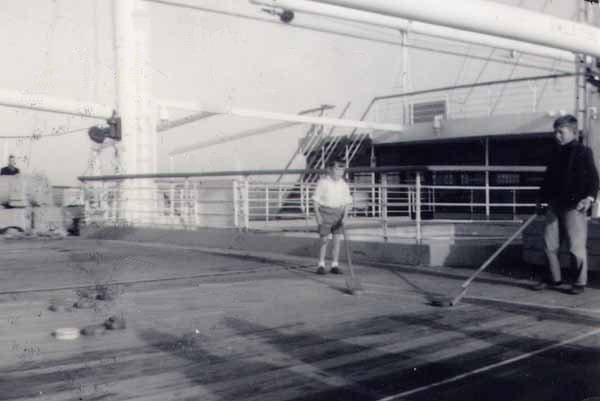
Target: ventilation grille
425, 112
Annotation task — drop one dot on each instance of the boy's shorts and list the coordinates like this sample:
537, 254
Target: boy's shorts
332, 220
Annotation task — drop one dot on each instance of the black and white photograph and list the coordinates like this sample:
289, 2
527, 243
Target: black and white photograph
300, 200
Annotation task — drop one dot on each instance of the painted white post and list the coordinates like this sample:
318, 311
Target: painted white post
196, 199
186, 201
384, 196
236, 204
487, 179
126, 80
302, 196
172, 196
246, 200
267, 202
418, 206
372, 203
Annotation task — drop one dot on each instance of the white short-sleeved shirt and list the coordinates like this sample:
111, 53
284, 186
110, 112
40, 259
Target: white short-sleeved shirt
332, 193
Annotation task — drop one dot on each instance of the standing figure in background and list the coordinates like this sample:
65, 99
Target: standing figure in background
332, 200
11, 169
570, 187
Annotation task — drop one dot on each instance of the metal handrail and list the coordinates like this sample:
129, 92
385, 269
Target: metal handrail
386, 169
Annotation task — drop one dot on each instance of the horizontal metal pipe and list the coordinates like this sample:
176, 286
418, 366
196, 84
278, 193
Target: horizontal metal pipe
268, 115
475, 85
387, 169
491, 18
348, 14
22, 100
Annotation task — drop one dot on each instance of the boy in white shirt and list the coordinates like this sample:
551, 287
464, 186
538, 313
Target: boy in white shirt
332, 201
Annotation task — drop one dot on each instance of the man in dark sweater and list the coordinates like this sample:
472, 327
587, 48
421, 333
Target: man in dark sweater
11, 169
570, 187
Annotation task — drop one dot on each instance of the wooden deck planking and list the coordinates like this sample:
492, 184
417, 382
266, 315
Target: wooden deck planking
277, 335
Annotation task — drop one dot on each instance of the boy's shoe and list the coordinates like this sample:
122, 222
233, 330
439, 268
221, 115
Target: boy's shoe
542, 285
321, 270
576, 289
336, 270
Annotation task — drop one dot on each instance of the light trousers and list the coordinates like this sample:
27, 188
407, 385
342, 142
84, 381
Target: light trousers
571, 224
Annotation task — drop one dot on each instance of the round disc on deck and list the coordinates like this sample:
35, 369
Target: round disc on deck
66, 333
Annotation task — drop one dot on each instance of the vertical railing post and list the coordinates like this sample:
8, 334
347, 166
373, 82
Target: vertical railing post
372, 203
172, 195
307, 202
246, 203
487, 179
384, 197
267, 202
279, 196
347, 156
302, 196
514, 201
236, 204
186, 201
196, 199
471, 201
418, 206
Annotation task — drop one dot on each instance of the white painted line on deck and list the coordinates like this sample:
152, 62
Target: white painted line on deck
490, 367
536, 305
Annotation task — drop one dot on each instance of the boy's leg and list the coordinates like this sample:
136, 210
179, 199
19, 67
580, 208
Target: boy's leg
552, 244
336, 249
337, 231
323, 250
576, 228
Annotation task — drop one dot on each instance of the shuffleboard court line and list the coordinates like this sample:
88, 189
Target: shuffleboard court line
490, 367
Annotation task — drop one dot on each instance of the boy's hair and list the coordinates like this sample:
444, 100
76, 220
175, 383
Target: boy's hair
566, 121
336, 163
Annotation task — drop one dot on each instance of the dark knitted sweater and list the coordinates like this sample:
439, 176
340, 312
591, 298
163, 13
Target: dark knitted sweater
8, 170
570, 176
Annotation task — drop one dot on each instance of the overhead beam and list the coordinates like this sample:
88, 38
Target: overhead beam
488, 17
268, 115
230, 138
244, 134
22, 100
312, 7
167, 125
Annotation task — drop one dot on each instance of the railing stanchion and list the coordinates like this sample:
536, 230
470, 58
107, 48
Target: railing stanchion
236, 204
196, 206
246, 203
514, 203
172, 205
302, 196
418, 206
267, 203
186, 202
372, 202
307, 203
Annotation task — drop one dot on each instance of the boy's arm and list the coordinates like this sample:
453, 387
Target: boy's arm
317, 212
592, 174
591, 180
316, 201
348, 204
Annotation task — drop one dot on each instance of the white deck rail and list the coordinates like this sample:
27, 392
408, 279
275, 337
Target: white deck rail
246, 200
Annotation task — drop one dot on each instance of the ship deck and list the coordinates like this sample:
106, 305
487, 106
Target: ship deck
213, 324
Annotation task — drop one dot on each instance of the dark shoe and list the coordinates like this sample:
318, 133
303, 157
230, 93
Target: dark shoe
336, 270
576, 289
542, 285
321, 270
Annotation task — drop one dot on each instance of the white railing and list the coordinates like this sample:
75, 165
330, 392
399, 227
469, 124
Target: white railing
244, 202
483, 99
